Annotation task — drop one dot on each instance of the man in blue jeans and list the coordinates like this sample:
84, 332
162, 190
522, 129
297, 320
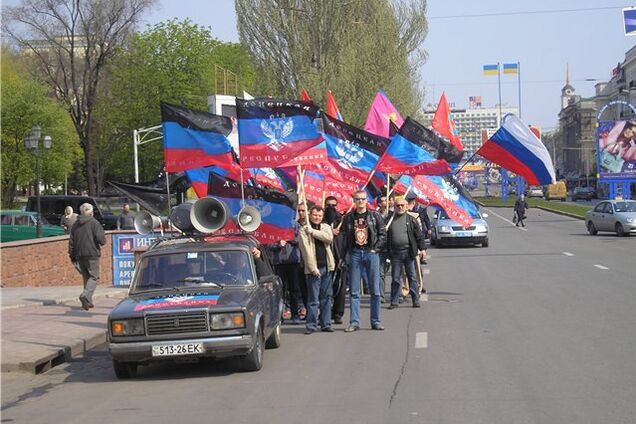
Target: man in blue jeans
315, 246
405, 245
365, 237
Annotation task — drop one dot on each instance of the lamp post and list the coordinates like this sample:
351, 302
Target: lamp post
31, 142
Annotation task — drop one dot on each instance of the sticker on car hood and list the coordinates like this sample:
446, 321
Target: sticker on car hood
172, 301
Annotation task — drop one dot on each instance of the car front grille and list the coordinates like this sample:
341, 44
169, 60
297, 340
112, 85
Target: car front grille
458, 228
191, 322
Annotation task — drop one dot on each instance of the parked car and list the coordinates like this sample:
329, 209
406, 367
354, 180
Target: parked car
196, 298
20, 225
446, 231
584, 193
52, 208
535, 191
617, 216
556, 191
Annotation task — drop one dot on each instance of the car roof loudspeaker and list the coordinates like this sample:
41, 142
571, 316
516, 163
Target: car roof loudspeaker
180, 217
145, 222
248, 219
209, 214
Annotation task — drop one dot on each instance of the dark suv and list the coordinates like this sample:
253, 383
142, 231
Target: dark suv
52, 208
585, 193
196, 298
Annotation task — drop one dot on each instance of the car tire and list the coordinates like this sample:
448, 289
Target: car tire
273, 342
485, 243
620, 230
253, 361
125, 370
591, 228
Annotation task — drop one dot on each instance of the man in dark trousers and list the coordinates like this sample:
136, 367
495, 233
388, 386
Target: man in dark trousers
405, 245
365, 238
84, 248
520, 210
126, 221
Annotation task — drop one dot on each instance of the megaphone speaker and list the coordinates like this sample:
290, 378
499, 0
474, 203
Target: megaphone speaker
145, 222
209, 214
248, 219
180, 217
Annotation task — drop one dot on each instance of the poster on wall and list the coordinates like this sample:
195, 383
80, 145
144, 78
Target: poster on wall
616, 149
124, 246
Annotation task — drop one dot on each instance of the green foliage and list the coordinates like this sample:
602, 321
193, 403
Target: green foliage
26, 103
173, 61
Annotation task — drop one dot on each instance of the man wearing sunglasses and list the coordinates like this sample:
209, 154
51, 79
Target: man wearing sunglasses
365, 237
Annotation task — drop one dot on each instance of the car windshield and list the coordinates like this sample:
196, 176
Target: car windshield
443, 215
625, 206
193, 269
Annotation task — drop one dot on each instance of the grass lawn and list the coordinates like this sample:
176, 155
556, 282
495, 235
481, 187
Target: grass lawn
553, 205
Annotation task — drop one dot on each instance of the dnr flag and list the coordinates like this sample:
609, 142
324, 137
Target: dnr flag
272, 132
192, 139
491, 69
510, 68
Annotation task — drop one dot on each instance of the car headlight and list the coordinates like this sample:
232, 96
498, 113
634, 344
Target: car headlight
481, 228
227, 321
631, 219
444, 229
127, 327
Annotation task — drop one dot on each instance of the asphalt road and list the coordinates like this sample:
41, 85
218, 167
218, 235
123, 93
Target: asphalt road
537, 328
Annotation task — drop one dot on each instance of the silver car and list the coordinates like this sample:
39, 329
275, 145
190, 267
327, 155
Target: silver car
617, 216
447, 232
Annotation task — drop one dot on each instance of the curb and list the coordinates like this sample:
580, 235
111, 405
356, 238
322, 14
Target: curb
52, 302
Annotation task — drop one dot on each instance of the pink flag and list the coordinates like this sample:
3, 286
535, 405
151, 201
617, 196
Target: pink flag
380, 115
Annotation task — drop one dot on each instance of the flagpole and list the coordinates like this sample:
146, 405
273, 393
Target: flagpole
242, 190
499, 85
519, 82
299, 170
466, 163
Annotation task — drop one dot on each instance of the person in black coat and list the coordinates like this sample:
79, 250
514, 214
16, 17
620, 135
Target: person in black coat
520, 210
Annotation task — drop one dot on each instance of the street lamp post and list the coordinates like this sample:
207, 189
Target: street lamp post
31, 142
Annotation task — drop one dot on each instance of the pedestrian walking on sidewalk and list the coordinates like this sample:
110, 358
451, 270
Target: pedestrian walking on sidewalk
84, 249
520, 210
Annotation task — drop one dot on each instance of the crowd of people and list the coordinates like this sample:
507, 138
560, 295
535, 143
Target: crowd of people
334, 254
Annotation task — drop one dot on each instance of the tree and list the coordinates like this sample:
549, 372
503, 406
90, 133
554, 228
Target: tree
69, 43
353, 48
173, 61
25, 103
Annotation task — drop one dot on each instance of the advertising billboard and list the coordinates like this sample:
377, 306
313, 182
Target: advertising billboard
124, 246
616, 149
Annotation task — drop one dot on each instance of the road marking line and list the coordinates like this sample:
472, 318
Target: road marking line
568, 254
505, 219
601, 267
426, 271
421, 340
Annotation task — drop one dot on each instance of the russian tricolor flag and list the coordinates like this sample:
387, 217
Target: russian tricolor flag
192, 139
515, 147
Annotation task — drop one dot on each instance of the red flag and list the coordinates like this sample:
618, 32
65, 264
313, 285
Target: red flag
443, 124
332, 107
304, 96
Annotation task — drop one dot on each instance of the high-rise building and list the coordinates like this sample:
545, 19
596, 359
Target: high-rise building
470, 123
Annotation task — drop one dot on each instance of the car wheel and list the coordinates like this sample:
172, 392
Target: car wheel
620, 231
273, 342
591, 228
253, 361
485, 243
125, 370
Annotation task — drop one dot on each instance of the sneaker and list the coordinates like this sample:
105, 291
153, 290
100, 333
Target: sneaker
352, 328
86, 304
394, 306
327, 330
378, 327
337, 320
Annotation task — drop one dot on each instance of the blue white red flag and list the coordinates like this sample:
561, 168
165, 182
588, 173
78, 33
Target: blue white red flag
272, 132
515, 147
277, 210
192, 139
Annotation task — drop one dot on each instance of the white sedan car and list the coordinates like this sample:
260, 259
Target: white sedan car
617, 216
447, 232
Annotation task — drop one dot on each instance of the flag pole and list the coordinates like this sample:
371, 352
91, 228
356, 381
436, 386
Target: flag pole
299, 170
519, 85
499, 85
466, 163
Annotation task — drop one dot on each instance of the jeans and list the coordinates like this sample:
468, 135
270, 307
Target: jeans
89, 267
364, 263
319, 291
399, 260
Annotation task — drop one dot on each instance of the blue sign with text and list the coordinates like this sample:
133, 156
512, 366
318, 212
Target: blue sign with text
124, 246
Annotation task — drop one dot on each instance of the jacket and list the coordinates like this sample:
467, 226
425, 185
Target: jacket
377, 231
307, 243
521, 206
86, 238
417, 241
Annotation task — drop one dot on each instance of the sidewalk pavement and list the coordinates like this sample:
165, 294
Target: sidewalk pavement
45, 326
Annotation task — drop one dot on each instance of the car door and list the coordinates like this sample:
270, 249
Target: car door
606, 217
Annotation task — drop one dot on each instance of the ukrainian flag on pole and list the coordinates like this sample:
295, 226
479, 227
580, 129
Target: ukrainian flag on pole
510, 68
491, 69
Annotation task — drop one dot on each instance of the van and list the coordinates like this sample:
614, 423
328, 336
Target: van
52, 208
556, 191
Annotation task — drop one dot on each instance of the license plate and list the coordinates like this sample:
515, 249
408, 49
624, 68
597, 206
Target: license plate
177, 349
463, 234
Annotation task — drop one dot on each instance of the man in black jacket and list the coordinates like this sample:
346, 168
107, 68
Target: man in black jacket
364, 239
84, 249
405, 245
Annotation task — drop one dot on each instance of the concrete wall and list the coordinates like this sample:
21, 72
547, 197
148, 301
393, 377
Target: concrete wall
45, 262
